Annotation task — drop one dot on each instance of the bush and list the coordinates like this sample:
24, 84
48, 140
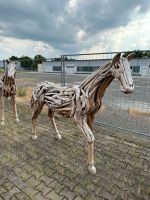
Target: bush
1, 70
21, 92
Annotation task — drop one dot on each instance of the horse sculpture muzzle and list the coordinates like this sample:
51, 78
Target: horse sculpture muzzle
127, 89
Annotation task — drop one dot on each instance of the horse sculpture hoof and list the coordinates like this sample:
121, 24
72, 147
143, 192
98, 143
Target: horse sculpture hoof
58, 137
3, 123
17, 120
34, 137
92, 169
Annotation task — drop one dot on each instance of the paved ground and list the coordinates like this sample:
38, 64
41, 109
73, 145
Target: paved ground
56, 170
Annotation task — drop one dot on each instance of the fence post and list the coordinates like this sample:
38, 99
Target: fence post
62, 71
4, 64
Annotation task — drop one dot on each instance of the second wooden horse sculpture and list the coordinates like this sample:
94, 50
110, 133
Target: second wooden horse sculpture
8, 89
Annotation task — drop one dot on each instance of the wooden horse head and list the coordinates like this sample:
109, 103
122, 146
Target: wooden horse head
11, 69
121, 71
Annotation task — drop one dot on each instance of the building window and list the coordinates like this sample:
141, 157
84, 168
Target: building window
69, 66
86, 69
135, 69
57, 68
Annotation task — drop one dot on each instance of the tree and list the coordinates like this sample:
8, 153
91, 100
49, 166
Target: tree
146, 54
138, 53
64, 58
13, 58
38, 59
26, 62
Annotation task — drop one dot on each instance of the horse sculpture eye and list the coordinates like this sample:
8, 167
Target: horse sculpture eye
117, 67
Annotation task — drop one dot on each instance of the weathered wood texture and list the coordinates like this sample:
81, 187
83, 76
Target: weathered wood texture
8, 89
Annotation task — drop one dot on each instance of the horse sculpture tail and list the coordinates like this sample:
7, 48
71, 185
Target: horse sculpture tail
32, 102
1, 87
36, 95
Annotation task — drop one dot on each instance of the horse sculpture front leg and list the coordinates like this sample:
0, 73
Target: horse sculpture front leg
82, 125
13, 100
2, 110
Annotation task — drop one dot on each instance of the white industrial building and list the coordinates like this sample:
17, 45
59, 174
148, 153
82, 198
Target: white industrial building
140, 67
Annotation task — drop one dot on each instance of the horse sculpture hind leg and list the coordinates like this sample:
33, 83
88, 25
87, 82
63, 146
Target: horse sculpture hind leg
13, 100
36, 111
51, 116
2, 110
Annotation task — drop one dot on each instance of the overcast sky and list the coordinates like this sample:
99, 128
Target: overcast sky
54, 27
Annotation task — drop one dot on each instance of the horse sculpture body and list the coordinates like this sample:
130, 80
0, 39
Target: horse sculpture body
82, 102
8, 89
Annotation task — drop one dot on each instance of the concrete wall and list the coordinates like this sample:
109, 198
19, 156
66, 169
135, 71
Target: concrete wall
40, 68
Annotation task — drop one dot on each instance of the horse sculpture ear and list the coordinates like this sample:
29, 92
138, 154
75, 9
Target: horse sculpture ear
8, 61
130, 56
116, 58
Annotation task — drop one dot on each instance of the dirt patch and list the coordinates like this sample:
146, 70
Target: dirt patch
135, 112
27, 98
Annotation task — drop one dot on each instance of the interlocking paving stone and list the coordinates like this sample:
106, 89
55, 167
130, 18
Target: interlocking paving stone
56, 170
43, 189
39, 197
10, 193
68, 193
20, 183
31, 192
54, 196
22, 196
2, 189
78, 198
47, 180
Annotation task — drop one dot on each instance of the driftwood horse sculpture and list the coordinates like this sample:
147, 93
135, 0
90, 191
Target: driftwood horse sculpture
84, 101
8, 89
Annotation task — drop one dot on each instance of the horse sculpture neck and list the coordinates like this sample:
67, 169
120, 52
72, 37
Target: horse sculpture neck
92, 89
97, 81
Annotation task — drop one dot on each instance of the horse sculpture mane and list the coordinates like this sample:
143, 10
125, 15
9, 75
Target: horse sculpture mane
81, 102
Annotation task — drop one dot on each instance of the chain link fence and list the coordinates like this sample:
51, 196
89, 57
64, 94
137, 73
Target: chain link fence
126, 112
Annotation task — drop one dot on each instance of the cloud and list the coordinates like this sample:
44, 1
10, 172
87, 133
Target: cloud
133, 36
68, 25
18, 47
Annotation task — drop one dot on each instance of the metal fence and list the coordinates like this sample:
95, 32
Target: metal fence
126, 112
